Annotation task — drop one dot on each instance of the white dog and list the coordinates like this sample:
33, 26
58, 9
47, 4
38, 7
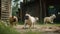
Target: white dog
30, 21
49, 19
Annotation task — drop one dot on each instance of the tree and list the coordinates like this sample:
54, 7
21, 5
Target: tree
15, 7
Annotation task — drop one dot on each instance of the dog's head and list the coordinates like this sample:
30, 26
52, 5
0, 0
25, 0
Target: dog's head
36, 18
27, 14
54, 16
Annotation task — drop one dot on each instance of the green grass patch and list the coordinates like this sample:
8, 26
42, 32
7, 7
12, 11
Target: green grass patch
7, 30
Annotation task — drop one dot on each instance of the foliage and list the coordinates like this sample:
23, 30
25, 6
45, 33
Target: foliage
16, 0
14, 10
15, 7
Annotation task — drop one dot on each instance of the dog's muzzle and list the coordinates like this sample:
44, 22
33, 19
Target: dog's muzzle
26, 17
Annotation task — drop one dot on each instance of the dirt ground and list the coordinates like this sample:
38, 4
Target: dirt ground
42, 28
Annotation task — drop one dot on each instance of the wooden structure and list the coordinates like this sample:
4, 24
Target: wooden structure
39, 8
5, 9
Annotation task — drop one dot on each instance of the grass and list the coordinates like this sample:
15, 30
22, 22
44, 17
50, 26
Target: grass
7, 30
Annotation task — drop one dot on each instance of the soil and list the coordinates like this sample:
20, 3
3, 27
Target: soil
20, 28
